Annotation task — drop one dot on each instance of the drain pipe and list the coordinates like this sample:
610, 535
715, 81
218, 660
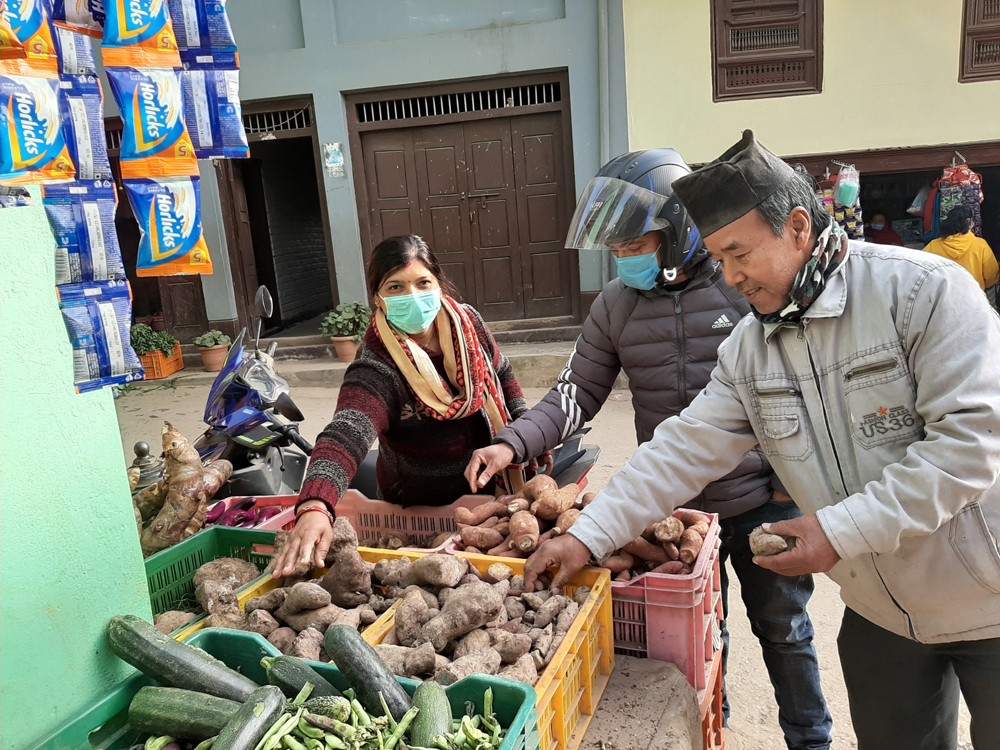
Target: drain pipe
604, 113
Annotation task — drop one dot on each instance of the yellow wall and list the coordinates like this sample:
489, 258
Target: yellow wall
890, 80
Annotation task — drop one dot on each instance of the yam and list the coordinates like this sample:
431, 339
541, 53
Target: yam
516, 584
367, 615
544, 640
282, 639
469, 578
168, 622
344, 537
524, 531
486, 662
499, 572
390, 572
522, 670
410, 618
303, 596
581, 594
515, 607
668, 530
226, 568
674, 568
479, 514
350, 618
535, 599
764, 544
408, 662
538, 484
307, 644
672, 552
349, 580
502, 587
262, 622
432, 601
690, 517
551, 503
468, 608
318, 619
436, 570
690, 545
270, 602
550, 610
472, 642
510, 646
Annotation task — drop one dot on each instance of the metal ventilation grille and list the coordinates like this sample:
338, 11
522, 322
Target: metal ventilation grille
986, 52
770, 37
257, 123
764, 74
435, 105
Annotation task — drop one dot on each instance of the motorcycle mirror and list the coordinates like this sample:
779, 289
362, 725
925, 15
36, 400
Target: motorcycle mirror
263, 307
287, 408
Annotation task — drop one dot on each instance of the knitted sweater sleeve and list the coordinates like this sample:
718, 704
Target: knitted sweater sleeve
513, 395
369, 403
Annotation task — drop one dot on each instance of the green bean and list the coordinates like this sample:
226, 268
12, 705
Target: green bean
334, 743
206, 744
388, 713
401, 728
291, 743
303, 694
364, 719
309, 730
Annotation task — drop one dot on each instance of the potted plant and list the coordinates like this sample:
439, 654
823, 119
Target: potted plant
159, 351
213, 346
346, 325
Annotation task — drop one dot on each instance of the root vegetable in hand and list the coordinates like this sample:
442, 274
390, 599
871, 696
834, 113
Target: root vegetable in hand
764, 544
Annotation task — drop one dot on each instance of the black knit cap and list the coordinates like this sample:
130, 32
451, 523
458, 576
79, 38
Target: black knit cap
733, 185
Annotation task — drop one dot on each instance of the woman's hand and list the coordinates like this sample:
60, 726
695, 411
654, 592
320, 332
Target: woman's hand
489, 461
307, 546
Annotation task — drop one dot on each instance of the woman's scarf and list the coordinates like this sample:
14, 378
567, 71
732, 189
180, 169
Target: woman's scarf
830, 253
471, 385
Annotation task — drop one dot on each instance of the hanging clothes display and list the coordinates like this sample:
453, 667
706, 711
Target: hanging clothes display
841, 197
960, 186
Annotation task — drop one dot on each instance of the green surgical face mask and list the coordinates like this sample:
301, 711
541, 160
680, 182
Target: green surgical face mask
413, 313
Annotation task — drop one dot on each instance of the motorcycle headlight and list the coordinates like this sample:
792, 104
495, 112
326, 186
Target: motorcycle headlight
264, 381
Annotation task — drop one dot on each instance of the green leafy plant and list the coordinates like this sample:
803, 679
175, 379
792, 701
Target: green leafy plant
146, 341
211, 338
347, 319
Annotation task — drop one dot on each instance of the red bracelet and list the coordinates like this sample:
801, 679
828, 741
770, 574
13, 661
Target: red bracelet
318, 509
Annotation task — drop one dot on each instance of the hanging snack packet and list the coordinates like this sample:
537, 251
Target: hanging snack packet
97, 317
10, 47
32, 144
75, 52
211, 88
83, 119
139, 34
169, 216
32, 27
155, 142
83, 222
202, 24
82, 16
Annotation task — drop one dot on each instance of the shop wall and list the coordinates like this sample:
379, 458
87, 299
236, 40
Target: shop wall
890, 79
327, 47
70, 552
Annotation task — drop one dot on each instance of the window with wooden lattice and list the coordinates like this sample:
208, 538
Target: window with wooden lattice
766, 48
980, 41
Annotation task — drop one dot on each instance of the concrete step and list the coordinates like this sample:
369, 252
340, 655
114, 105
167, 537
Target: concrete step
537, 335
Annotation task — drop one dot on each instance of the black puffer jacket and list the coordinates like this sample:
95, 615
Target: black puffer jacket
666, 343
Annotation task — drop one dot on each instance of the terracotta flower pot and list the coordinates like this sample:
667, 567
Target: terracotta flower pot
346, 347
213, 357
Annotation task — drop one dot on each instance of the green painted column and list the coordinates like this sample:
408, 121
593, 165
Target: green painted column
69, 550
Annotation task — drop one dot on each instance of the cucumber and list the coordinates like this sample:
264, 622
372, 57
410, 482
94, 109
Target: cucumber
331, 706
434, 719
173, 663
247, 728
179, 713
291, 673
365, 672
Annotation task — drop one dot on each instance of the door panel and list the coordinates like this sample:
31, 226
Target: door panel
391, 179
549, 280
183, 306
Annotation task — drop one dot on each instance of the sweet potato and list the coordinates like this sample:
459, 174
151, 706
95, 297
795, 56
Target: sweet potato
690, 517
443, 538
674, 567
349, 580
672, 552
566, 520
643, 550
668, 530
468, 608
486, 661
581, 594
479, 536
538, 484
524, 531
303, 596
551, 503
690, 546
518, 503
625, 575
619, 561
476, 516
504, 546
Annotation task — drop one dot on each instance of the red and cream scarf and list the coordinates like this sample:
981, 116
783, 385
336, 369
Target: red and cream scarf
471, 385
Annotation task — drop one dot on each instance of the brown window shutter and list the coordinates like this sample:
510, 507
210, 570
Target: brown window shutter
765, 48
980, 41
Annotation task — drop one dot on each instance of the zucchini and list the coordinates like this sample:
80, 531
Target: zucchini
179, 713
291, 673
331, 706
173, 663
434, 719
264, 707
365, 672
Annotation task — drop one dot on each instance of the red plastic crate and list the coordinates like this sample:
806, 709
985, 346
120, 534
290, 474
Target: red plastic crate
710, 704
674, 618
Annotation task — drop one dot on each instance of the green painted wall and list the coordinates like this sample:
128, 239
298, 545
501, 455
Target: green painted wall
69, 551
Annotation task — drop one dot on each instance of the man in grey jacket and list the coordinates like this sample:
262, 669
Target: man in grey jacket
662, 321
870, 377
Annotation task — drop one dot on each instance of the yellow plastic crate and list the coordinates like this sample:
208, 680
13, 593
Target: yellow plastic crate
265, 583
572, 684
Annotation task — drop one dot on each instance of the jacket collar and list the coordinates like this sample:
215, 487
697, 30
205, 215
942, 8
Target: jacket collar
829, 304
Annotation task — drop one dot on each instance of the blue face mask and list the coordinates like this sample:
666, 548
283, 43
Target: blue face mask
639, 271
413, 313
878, 227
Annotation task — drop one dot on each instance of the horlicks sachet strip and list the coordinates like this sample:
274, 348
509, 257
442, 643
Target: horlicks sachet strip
155, 142
83, 124
139, 34
32, 142
30, 22
82, 16
169, 216
10, 46
202, 25
211, 88
82, 216
76, 52
98, 316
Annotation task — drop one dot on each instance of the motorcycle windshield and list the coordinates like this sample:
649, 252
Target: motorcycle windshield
216, 407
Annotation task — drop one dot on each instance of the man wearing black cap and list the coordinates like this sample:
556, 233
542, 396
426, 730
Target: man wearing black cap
870, 376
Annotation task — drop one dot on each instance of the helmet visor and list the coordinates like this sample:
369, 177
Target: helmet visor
611, 211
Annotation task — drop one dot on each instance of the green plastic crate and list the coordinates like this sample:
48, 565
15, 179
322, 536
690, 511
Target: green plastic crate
170, 573
104, 725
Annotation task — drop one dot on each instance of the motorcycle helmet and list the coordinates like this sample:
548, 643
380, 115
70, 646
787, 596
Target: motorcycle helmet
630, 196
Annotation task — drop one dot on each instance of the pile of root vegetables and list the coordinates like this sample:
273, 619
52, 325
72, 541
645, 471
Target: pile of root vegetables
670, 546
453, 621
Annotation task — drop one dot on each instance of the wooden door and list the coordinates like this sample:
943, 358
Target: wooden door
239, 239
391, 182
183, 306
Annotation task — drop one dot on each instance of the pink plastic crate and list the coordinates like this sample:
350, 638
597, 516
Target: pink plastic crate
421, 523
674, 618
